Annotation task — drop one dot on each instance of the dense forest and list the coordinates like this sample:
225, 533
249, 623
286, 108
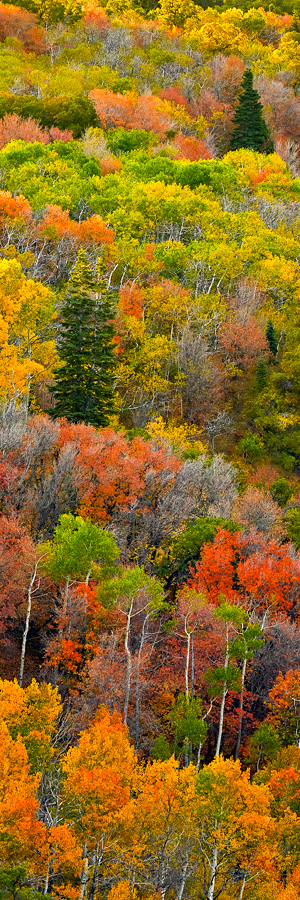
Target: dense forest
150, 450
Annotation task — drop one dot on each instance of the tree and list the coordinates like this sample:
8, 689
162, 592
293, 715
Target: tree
98, 777
250, 130
270, 335
83, 389
234, 822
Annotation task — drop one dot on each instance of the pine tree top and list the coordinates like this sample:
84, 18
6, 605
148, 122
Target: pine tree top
250, 131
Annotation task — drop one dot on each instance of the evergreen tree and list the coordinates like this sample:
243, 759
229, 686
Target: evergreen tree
83, 388
261, 374
270, 335
250, 129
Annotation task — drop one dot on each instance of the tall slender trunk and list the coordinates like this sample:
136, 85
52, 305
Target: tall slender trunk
241, 707
45, 891
241, 894
92, 888
192, 667
187, 662
84, 874
137, 686
223, 698
129, 664
213, 872
183, 876
26, 629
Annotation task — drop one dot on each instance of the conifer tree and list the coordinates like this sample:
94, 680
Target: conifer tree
83, 388
250, 129
270, 335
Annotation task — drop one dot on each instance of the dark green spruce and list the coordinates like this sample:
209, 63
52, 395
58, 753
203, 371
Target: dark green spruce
250, 129
270, 335
83, 389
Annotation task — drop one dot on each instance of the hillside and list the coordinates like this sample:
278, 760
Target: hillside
150, 450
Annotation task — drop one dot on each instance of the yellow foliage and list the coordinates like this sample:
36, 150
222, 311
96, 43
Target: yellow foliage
180, 437
26, 308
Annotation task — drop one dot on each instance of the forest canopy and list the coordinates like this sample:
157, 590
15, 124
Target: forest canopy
150, 450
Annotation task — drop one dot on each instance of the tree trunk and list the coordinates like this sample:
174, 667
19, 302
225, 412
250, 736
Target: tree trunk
224, 692
183, 876
187, 663
84, 874
192, 668
241, 894
137, 686
241, 706
129, 664
213, 872
25, 633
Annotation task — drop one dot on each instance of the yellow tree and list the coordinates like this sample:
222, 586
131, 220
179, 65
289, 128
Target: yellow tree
234, 829
26, 350
99, 807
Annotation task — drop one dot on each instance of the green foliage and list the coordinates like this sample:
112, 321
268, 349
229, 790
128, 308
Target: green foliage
270, 335
261, 374
55, 173
246, 644
292, 525
129, 585
281, 491
189, 728
216, 679
119, 140
77, 545
251, 447
161, 748
250, 130
83, 389
15, 882
263, 745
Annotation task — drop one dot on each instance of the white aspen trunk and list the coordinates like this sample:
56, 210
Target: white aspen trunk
47, 880
199, 756
137, 686
65, 603
84, 874
26, 629
224, 692
192, 667
183, 876
187, 662
129, 664
241, 707
213, 872
241, 894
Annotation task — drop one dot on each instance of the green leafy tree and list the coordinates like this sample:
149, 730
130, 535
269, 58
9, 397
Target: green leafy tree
250, 130
83, 388
189, 727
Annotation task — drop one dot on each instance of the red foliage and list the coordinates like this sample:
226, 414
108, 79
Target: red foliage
130, 111
57, 135
14, 207
247, 569
17, 553
56, 224
95, 19
20, 24
174, 95
14, 128
110, 471
109, 165
190, 148
242, 342
131, 300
